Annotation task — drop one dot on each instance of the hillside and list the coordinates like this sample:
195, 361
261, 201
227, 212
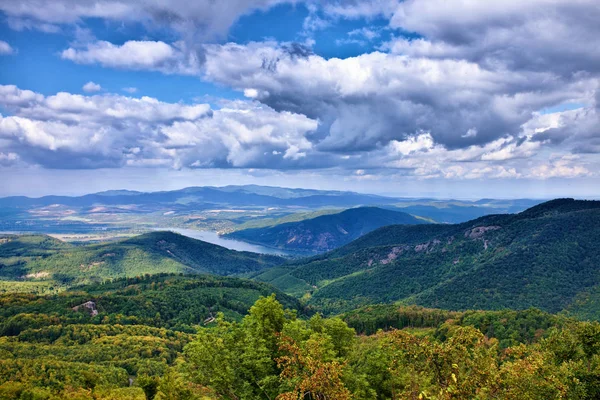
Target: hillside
163, 301
206, 337
54, 347
325, 232
546, 257
34, 259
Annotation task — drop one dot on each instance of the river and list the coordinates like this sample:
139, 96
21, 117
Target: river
232, 244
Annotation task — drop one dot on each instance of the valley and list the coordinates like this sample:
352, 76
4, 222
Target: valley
242, 213
388, 296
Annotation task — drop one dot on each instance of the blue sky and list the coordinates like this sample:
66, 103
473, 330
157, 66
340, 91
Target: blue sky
416, 97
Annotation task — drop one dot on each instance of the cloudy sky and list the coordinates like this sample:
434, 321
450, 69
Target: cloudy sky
446, 98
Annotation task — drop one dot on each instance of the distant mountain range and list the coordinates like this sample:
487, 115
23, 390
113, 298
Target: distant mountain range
547, 257
266, 196
325, 232
219, 209
250, 195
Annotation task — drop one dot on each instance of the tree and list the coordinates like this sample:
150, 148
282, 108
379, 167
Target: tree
311, 371
149, 385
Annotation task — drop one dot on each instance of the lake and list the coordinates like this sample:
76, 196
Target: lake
232, 244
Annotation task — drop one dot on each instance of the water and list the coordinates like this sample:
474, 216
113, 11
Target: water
232, 244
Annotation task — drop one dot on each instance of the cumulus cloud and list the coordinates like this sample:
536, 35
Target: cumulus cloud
564, 167
206, 18
149, 55
21, 24
5, 48
354, 9
542, 35
366, 101
458, 92
7, 159
91, 87
73, 131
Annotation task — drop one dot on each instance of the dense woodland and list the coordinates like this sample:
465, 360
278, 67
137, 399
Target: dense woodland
277, 353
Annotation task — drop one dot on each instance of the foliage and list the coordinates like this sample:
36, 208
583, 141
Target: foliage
271, 353
323, 359
494, 262
177, 302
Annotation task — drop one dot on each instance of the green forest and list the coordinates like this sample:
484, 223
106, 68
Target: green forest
276, 351
42, 264
494, 262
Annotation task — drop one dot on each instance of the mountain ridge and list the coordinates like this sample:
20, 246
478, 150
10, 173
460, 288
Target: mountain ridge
23, 258
493, 262
325, 232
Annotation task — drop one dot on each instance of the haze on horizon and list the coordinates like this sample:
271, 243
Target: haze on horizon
449, 99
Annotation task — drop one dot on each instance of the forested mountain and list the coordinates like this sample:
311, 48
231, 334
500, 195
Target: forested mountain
546, 257
36, 258
325, 232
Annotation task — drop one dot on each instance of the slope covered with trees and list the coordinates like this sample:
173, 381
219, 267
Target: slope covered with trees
272, 353
494, 262
325, 232
36, 259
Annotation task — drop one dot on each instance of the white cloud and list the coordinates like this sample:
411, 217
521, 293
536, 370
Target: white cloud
368, 100
461, 101
5, 48
206, 18
354, 9
367, 33
21, 24
537, 35
73, 131
562, 168
413, 144
91, 87
152, 55
251, 93
7, 159
130, 89
471, 133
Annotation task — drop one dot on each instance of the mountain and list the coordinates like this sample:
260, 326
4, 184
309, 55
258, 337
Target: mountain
455, 211
546, 257
34, 258
114, 213
250, 195
325, 232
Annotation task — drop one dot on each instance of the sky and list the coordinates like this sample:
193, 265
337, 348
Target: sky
441, 98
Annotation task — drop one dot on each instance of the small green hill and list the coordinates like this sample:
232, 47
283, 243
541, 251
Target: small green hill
325, 232
543, 257
34, 259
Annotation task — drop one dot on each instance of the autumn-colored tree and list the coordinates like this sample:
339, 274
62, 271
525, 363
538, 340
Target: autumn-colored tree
311, 371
